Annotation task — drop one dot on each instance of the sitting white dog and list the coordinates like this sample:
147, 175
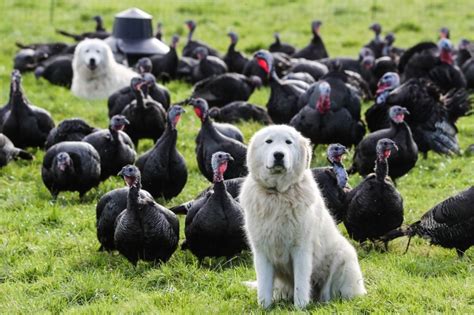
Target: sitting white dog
96, 74
298, 251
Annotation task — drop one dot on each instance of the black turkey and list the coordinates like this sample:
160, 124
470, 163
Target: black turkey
376, 116
214, 228
99, 32
209, 140
375, 207
147, 117
114, 146
8, 151
208, 66
232, 186
332, 181
330, 117
278, 46
234, 59
108, 208
432, 116
228, 130
225, 88
189, 50
25, 125
71, 166
449, 224
163, 167
72, 129
56, 70
5, 110
145, 230
30, 56
121, 98
156, 92
283, 102
315, 49
165, 66
159, 31
426, 61
314, 68
240, 111
394, 53
281, 64
401, 161
377, 43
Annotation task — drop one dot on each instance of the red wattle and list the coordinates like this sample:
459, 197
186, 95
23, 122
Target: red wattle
446, 57
381, 88
222, 168
176, 120
263, 64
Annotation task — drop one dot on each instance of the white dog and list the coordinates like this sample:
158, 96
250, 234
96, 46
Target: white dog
96, 74
298, 251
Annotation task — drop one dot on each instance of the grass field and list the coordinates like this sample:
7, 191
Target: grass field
49, 261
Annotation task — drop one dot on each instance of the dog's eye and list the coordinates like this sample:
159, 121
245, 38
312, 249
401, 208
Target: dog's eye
288, 142
269, 141
87, 50
97, 51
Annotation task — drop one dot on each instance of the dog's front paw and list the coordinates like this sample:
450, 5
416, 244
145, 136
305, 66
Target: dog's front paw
265, 302
301, 303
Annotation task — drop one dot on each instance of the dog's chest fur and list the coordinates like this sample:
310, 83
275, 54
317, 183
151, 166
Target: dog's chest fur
278, 222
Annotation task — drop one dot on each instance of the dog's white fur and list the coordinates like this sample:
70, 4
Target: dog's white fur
298, 251
108, 75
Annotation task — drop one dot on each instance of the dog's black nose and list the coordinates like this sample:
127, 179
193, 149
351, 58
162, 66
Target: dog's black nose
92, 62
278, 156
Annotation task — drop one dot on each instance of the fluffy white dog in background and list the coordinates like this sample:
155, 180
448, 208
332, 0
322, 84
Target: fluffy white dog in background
298, 251
96, 74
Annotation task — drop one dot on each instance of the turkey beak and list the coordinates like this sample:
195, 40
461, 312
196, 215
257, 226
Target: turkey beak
405, 111
120, 173
126, 121
230, 158
395, 147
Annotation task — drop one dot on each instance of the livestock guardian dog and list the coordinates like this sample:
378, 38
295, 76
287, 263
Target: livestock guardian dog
96, 74
298, 251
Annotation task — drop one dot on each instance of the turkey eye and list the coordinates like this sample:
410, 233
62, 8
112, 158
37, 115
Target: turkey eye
288, 142
269, 141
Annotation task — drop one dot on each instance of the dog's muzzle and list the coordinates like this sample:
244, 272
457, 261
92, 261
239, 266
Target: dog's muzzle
278, 163
92, 64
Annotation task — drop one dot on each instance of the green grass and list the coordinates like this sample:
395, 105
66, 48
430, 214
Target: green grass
48, 251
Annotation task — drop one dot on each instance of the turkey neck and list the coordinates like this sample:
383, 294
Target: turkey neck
139, 98
168, 138
114, 133
381, 168
316, 38
231, 48
341, 174
208, 126
133, 195
190, 35
19, 102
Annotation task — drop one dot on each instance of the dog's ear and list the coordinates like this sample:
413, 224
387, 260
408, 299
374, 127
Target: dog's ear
305, 145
